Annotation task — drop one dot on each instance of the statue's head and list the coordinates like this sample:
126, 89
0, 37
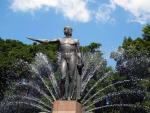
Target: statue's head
67, 31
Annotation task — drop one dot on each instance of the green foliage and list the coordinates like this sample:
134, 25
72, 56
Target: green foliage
91, 47
133, 61
11, 51
146, 32
135, 47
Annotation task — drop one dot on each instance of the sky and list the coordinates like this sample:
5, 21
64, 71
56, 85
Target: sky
102, 21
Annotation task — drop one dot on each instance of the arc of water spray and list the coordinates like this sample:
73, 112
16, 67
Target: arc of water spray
33, 105
84, 71
87, 65
84, 82
110, 95
44, 61
30, 99
85, 68
52, 77
119, 82
54, 82
116, 105
38, 90
90, 75
101, 79
38, 101
38, 75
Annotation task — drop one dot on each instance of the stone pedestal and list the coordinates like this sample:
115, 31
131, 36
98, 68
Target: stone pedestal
60, 106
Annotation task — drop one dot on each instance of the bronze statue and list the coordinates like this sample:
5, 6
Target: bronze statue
70, 62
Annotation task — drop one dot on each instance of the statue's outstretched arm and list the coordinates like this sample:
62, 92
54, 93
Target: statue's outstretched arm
44, 41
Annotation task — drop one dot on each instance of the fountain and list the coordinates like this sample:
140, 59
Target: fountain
42, 90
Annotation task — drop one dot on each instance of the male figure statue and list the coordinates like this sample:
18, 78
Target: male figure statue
70, 62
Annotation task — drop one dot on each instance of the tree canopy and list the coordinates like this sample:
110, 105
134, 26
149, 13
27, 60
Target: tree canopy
133, 61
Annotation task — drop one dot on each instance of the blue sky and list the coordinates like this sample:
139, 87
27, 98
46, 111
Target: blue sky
103, 21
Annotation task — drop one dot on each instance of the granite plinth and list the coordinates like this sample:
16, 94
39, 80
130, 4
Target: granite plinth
61, 106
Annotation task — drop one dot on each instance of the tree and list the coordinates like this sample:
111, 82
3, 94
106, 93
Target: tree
92, 47
11, 51
146, 32
133, 58
133, 62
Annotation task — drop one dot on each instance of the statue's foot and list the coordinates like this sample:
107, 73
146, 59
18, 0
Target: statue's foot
69, 98
63, 98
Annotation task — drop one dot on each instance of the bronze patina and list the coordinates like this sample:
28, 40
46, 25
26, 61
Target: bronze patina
70, 64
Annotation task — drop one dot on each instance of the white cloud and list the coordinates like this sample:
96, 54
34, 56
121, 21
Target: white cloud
139, 9
75, 10
104, 13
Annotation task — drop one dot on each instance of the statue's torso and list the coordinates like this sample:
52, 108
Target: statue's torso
68, 45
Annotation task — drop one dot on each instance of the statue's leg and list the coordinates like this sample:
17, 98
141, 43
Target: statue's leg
72, 67
64, 81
